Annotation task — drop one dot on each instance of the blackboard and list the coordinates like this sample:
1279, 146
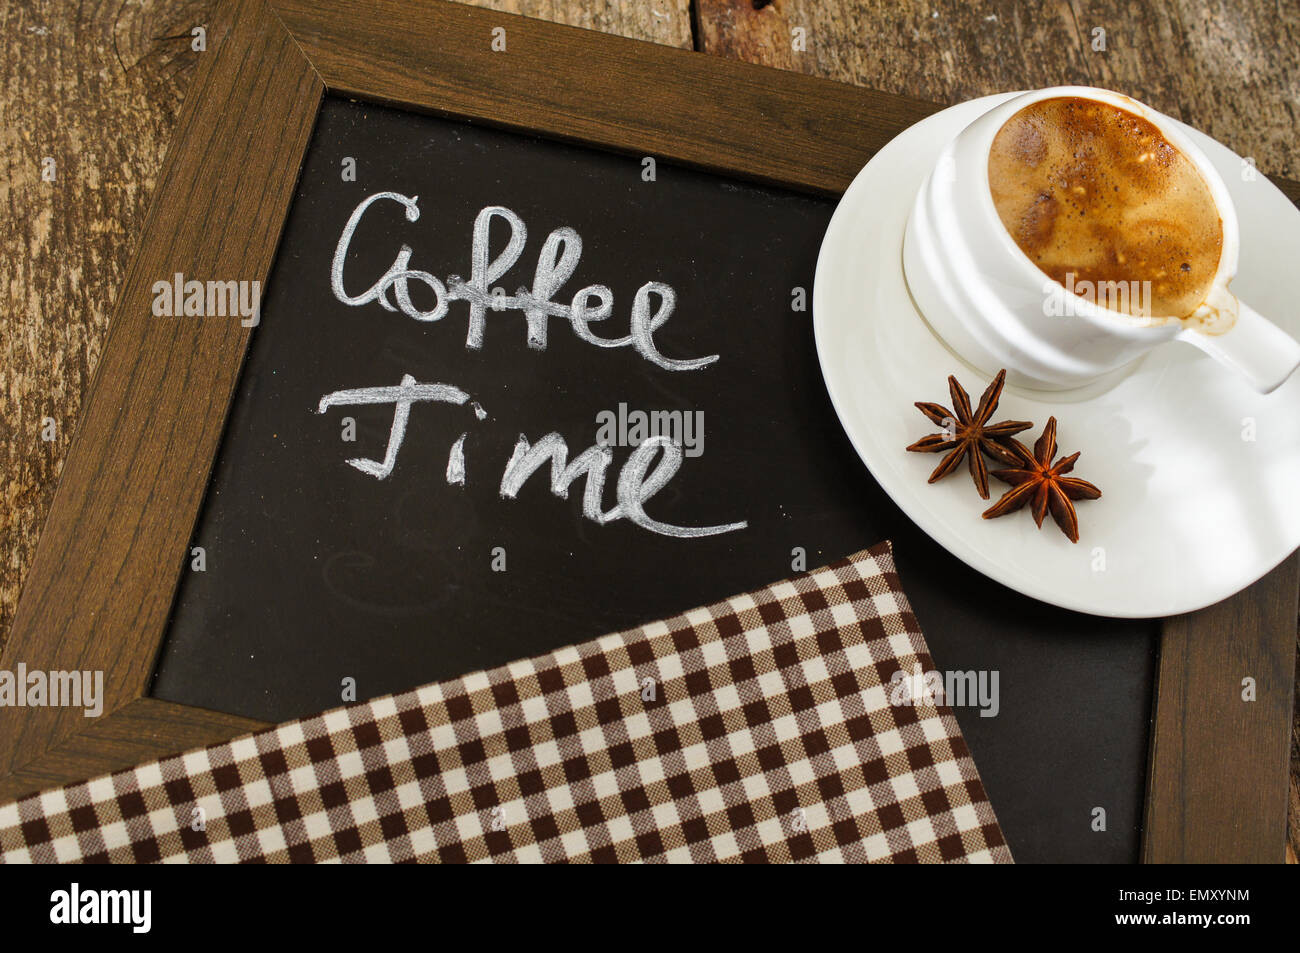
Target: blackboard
315, 571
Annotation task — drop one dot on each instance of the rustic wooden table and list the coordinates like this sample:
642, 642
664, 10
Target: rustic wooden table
96, 88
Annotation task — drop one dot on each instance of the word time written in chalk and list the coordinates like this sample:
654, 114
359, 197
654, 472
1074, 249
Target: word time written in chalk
650, 466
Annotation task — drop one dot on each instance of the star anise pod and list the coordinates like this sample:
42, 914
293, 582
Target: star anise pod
1043, 484
969, 434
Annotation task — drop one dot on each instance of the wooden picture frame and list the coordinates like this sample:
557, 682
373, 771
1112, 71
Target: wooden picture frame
99, 592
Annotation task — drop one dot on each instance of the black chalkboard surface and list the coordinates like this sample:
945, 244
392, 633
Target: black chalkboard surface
415, 566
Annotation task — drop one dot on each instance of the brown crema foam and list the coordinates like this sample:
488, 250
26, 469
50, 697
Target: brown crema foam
1102, 203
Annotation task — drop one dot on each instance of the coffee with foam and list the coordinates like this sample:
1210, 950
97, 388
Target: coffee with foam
1098, 198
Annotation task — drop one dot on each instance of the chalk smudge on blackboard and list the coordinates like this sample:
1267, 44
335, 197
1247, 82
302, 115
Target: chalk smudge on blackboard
456, 462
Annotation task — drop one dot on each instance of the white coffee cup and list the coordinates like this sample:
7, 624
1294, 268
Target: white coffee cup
993, 306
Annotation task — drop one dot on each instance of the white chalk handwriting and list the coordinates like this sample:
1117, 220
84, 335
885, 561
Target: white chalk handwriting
637, 483
556, 263
650, 466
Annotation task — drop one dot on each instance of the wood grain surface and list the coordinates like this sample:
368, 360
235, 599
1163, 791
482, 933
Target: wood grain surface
146, 441
1229, 68
766, 125
98, 88
1202, 806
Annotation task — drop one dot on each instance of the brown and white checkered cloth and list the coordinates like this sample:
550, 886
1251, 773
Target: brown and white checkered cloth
756, 729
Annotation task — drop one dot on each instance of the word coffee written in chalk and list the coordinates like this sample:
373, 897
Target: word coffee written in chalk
654, 461
556, 264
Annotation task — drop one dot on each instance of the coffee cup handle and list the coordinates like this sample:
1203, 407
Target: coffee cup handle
1254, 347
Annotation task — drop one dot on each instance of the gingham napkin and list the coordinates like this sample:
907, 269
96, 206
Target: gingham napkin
756, 729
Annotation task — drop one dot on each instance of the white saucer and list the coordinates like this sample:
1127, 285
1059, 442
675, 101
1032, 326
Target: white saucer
1192, 511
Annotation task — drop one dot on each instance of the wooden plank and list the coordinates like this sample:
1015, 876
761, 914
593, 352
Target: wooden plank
593, 89
667, 22
100, 587
1228, 68
140, 730
87, 88
945, 51
1217, 791
1293, 809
